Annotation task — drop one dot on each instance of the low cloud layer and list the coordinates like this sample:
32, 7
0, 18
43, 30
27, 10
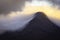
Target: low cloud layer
16, 23
11, 5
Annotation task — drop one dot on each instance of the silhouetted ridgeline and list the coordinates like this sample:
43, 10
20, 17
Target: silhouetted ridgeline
39, 28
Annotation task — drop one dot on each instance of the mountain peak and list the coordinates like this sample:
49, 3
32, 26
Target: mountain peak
37, 14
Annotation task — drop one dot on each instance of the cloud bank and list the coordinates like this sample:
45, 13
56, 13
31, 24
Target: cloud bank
7, 6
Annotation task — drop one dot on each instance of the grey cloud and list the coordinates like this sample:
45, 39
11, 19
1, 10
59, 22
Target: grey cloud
11, 5
56, 3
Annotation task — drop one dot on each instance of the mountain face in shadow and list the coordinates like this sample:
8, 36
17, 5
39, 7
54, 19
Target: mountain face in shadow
39, 28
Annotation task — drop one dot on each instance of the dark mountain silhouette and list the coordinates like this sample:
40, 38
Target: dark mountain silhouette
39, 28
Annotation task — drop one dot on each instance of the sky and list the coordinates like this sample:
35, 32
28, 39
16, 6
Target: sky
42, 6
35, 6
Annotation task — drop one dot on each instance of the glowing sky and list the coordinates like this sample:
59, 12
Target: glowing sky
36, 6
43, 6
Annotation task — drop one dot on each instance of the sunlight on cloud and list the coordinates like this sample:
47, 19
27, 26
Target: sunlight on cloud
42, 6
35, 6
39, 3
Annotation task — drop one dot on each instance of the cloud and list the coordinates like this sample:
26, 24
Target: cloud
56, 3
11, 5
16, 22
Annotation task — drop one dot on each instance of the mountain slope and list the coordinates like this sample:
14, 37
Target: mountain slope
39, 28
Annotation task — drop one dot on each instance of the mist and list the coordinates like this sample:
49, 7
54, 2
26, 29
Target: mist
9, 8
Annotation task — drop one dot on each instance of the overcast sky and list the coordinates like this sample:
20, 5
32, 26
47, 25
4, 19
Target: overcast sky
11, 5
